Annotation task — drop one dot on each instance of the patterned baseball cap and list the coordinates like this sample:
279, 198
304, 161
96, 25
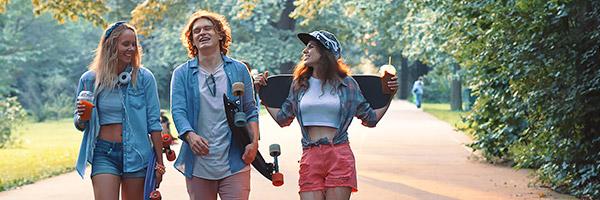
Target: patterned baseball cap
326, 38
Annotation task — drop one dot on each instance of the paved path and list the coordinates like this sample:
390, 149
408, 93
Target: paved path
410, 155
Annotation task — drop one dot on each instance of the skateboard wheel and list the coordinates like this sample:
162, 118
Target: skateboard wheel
277, 179
170, 155
167, 140
274, 150
238, 89
155, 195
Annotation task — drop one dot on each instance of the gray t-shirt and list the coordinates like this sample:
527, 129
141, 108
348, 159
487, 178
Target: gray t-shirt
212, 125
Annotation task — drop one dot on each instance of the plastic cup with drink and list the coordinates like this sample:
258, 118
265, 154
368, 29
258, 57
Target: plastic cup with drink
86, 98
387, 72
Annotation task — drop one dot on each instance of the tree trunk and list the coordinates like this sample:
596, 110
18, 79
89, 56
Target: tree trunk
404, 83
286, 23
455, 95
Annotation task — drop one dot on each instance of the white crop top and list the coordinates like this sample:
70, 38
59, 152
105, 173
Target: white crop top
320, 106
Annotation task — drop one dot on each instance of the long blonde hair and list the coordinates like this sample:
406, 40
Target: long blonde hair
106, 59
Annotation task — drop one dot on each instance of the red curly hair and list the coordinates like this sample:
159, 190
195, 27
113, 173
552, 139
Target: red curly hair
221, 27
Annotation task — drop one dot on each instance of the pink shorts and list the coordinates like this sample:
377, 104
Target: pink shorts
327, 166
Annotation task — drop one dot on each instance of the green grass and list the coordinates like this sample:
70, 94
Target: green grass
49, 149
442, 111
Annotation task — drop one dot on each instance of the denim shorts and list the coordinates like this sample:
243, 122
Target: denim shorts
108, 159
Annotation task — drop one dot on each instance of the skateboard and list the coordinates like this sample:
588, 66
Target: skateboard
372, 87
150, 189
240, 137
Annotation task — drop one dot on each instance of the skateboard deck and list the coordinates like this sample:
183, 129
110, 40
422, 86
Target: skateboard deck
278, 87
150, 191
241, 137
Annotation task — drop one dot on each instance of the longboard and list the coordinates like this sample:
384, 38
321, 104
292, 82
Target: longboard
278, 87
150, 192
241, 137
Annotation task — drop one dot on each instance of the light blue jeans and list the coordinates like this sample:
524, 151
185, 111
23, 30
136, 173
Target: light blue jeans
418, 99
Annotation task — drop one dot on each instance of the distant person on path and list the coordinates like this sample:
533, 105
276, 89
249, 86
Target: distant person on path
124, 128
325, 98
208, 160
166, 124
417, 90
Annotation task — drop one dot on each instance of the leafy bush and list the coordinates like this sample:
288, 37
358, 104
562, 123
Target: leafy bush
535, 68
11, 115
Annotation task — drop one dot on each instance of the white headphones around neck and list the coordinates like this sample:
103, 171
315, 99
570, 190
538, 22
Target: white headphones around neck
124, 77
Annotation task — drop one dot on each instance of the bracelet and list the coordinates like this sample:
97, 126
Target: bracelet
160, 169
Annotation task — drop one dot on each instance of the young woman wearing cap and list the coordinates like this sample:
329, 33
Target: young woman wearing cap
124, 129
325, 98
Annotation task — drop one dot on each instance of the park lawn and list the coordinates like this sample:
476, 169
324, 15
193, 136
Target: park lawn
49, 148
442, 112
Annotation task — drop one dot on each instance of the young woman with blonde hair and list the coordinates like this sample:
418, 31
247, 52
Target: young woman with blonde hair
123, 132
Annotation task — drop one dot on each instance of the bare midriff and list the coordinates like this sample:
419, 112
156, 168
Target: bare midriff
318, 132
111, 132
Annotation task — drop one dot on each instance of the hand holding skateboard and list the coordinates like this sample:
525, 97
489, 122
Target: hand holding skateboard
388, 78
261, 79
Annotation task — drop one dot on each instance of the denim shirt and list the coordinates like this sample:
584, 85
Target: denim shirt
185, 95
141, 117
353, 103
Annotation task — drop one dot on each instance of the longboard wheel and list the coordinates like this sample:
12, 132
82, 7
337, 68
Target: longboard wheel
167, 140
277, 179
170, 155
155, 195
274, 150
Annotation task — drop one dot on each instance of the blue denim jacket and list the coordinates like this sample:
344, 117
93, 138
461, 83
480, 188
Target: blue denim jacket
353, 103
141, 117
184, 97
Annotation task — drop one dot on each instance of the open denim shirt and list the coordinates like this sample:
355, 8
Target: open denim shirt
141, 117
185, 94
353, 103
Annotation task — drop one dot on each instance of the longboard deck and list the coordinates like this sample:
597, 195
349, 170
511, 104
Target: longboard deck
240, 137
278, 87
150, 180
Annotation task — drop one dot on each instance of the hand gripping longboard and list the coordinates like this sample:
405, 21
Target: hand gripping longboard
278, 87
240, 137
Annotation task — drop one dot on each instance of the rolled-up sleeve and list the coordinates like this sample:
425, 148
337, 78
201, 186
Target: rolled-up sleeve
152, 102
249, 102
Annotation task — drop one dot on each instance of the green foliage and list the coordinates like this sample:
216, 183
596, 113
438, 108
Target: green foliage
437, 85
44, 58
535, 69
11, 115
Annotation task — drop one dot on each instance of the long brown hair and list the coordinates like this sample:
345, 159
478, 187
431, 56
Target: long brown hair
106, 59
221, 27
331, 70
